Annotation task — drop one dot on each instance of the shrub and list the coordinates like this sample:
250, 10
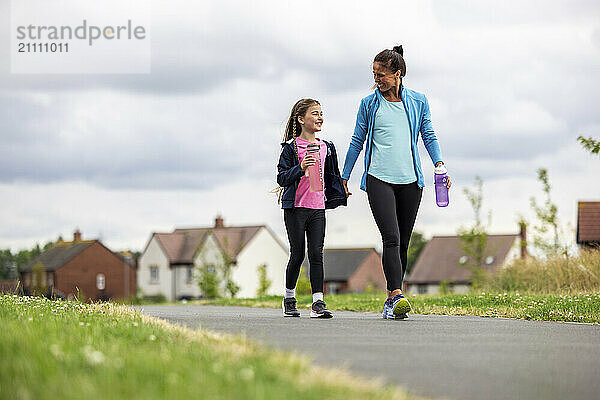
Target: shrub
554, 274
303, 285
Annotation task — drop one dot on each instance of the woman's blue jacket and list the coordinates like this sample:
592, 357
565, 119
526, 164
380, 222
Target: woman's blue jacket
419, 120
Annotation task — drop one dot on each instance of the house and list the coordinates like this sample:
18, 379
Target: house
82, 267
351, 270
443, 261
588, 224
170, 262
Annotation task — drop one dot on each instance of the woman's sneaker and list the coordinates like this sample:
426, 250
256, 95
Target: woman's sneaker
289, 307
388, 311
319, 310
400, 305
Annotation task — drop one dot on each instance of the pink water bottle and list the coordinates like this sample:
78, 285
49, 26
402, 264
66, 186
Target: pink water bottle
441, 190
315, 177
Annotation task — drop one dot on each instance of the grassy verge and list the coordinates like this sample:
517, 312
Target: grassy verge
569, 308
59, 349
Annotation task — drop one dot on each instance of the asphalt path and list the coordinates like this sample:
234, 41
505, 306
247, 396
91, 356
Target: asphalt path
435, 356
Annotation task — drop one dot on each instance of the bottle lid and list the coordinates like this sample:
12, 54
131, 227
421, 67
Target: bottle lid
312, 148
440, 169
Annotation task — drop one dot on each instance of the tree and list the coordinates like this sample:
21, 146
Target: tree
547, 216
6, 262
415, 246
38, 279
473, 240
208, 281
590, 144
11, 264
214, 277
264, 283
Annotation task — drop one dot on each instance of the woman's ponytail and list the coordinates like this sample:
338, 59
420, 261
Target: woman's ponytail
393, 60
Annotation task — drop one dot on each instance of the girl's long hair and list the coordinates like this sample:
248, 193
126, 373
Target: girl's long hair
293, 128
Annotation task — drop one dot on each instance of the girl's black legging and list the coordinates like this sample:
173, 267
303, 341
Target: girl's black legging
394, 208
298, 222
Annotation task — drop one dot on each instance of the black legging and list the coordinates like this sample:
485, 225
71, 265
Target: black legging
394, 208
298, 221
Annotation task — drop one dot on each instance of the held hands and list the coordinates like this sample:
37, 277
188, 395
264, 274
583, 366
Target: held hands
345, 182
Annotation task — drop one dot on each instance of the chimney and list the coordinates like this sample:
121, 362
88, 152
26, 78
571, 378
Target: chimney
77, 235
523, 237
219, 222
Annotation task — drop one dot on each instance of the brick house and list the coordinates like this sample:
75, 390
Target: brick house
87, 265
588, 224
443, 260
351, 270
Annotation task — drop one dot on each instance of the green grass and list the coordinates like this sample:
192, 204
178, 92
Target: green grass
556, 288
543, 307
69, 350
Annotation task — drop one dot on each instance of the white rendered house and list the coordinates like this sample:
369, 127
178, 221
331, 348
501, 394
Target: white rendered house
170, 262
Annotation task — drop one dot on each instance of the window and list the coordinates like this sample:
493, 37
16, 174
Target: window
333, 287
190, 272
100, 282
422, 289
153, 274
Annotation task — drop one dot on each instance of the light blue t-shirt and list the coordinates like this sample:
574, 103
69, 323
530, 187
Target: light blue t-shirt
392, 159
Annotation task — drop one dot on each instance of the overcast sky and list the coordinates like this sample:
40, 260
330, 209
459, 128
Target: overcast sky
510, 84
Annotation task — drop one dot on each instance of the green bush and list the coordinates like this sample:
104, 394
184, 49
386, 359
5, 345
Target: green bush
303, 285
208, 282
264, 283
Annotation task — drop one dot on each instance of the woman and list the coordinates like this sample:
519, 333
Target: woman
389, 120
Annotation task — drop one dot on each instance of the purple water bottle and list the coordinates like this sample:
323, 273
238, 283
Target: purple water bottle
441, 190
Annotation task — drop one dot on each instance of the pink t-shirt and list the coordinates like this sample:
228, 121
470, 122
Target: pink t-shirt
304, 197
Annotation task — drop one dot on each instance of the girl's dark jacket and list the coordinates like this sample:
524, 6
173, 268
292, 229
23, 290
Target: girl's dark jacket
289, 174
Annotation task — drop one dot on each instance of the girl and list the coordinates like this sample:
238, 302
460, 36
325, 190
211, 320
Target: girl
390, 120
303, 209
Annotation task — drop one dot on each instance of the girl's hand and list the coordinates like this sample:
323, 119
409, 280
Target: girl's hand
307, 162
345, 182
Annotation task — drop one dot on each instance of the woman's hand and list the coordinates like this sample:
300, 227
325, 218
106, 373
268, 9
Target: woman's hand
345, 182
307, 162
448, 181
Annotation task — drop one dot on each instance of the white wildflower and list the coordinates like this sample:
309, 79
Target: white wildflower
93, 357
247, 374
